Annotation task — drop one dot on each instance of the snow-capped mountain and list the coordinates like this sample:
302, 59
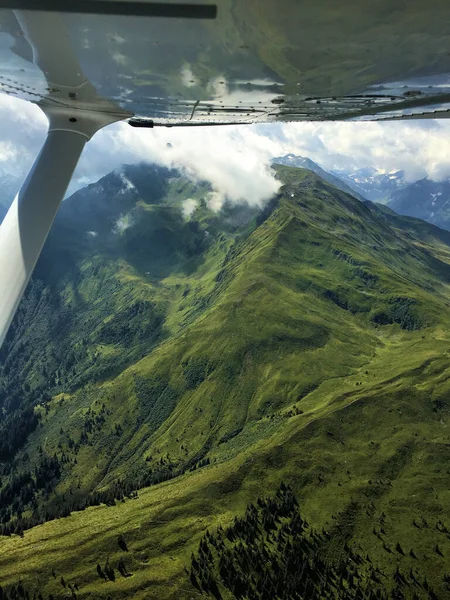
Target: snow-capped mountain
292, 160
374, 184
424, 199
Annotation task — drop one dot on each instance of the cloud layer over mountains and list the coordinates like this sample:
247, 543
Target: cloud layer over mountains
236, 160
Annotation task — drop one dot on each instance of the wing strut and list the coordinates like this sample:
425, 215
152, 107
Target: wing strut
72, 122
26, 226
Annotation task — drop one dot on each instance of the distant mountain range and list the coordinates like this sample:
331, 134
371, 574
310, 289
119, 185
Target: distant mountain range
374, 185
364, 184
424, 199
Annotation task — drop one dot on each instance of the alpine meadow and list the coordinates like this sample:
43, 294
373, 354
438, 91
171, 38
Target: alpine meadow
246, 403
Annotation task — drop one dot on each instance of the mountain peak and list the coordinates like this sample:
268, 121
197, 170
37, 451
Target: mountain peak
374, 184
291, 160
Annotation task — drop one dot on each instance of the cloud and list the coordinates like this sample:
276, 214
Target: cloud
215, 200
123, 223
235, 160
128, 185
420, 148
188, 207
22, 134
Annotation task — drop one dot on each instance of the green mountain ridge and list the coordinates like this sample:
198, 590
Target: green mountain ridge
224, 353
301, 162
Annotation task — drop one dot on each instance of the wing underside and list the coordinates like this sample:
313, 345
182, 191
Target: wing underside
238, 61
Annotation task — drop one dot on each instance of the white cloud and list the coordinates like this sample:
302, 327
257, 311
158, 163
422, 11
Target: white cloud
234, 160
127, 184
420, 148
21, 135
188, 207
123, 223
8, 152
215, 200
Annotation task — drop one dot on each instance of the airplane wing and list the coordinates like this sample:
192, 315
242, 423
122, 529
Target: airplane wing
88, 63
243, 61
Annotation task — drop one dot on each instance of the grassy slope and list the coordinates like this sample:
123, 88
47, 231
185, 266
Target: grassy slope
272, 337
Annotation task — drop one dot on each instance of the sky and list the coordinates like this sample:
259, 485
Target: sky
236, 160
